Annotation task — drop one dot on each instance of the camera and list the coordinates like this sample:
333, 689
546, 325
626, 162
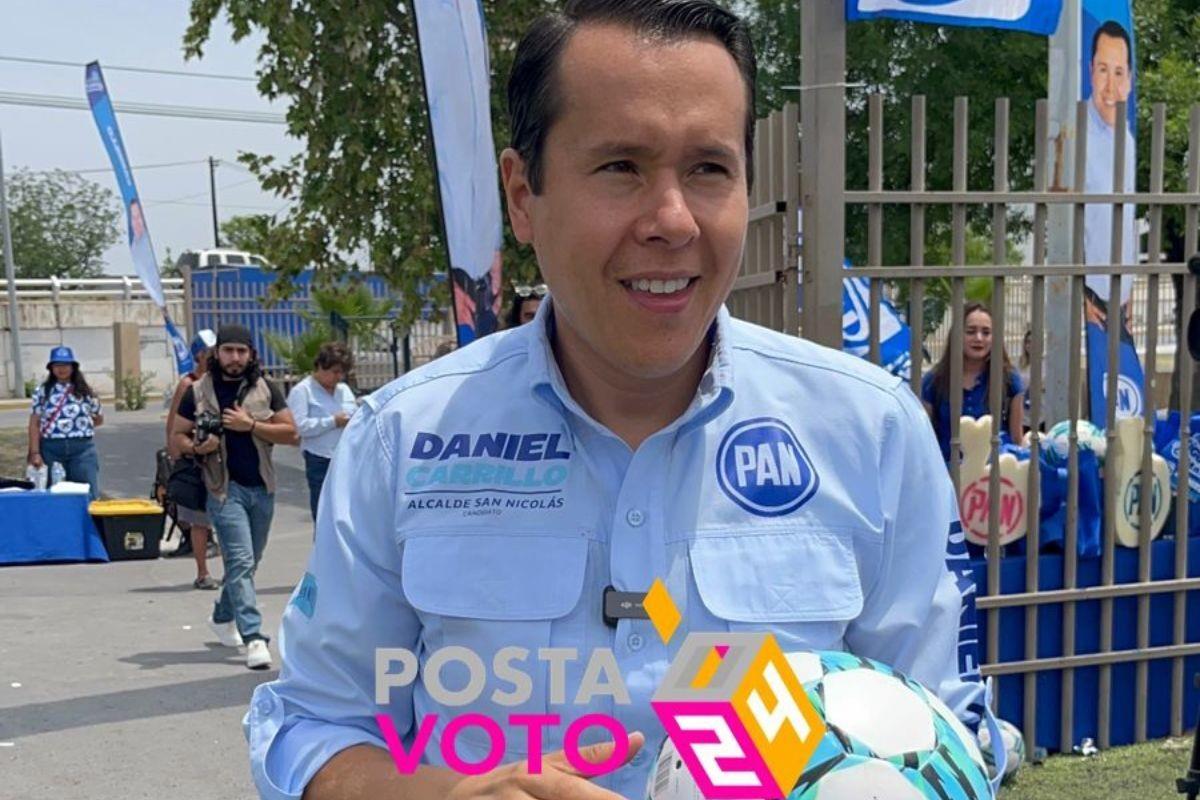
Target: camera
208, 424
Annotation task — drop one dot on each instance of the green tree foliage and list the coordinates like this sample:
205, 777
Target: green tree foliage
249, 232
364, 184
350, 303
61, 224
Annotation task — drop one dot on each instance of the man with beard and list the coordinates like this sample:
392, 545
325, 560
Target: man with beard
230, 419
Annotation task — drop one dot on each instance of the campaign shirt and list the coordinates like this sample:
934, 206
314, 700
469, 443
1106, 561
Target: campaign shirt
974, 404
474, 503
63, 415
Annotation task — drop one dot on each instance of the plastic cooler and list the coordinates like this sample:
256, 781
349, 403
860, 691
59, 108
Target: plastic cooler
130, 528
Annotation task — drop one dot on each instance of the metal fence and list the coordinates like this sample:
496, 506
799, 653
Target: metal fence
1020, 302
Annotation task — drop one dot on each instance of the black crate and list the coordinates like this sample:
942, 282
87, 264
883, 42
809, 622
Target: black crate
130, 536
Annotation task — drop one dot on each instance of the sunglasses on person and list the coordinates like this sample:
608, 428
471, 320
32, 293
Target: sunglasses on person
524, 292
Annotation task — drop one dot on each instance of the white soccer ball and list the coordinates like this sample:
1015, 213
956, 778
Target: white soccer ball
1014, 745
887, 738
1056, 444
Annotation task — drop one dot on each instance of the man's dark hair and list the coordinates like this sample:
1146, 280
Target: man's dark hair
335, 354
1114, 30
534, 104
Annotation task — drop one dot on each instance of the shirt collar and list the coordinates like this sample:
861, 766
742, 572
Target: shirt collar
713, 395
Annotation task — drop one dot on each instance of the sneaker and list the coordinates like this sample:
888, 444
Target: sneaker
227, 633
208, 582
257, 655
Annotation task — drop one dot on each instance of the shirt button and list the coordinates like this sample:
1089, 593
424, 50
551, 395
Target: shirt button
636, 642
265, 706
635, 518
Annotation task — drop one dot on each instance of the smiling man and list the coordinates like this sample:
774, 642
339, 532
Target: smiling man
520, 494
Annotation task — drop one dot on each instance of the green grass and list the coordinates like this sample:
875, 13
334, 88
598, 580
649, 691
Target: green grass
14, 444
1137, 772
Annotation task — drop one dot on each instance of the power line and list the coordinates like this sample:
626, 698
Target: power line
91, 170
144, 70
148, 109
204, 193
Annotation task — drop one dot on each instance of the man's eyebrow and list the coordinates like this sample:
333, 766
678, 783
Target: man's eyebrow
618, 149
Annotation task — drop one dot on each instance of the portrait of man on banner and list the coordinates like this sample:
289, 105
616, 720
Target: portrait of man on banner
1107, 78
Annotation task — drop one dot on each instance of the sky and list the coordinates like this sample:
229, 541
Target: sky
148, 33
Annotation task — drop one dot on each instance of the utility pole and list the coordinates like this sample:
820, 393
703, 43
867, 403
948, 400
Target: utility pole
823, 166
212, 191
10, 272
1064, 95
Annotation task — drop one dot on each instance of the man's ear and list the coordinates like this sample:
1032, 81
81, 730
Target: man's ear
518, 194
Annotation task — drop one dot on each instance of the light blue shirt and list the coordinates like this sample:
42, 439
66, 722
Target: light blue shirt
1097, 217
313, 409
473, 502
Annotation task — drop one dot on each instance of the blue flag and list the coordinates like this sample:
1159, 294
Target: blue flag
1129, 379
454, 55
856, 327
1032, 16
135, 218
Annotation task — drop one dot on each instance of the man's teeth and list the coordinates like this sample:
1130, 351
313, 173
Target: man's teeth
660, 287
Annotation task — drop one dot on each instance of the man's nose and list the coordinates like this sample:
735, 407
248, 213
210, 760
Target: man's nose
670, 220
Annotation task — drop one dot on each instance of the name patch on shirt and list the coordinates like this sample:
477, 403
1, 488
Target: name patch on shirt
486, 472
762, 467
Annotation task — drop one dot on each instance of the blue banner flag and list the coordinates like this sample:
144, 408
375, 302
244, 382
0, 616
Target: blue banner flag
894, 334
454, 56
135, 218
1031, 16
1129, 379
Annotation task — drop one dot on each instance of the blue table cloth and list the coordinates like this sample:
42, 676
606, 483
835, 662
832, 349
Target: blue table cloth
39, 526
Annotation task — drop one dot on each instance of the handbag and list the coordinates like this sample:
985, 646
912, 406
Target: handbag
185, 485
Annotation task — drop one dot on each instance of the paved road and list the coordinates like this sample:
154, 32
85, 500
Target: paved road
111, 685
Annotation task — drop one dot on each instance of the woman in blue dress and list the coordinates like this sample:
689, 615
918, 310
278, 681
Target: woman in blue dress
976, 375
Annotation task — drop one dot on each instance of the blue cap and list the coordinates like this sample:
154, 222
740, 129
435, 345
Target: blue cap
202, 341
62, 355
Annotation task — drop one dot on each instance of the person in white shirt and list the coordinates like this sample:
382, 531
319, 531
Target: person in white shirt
1112, 82
322, 405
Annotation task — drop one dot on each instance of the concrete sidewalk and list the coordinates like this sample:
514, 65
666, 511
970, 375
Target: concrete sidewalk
111, 685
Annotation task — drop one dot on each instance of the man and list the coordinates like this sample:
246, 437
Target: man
1111, 71
632, 432
238, 474
322, 405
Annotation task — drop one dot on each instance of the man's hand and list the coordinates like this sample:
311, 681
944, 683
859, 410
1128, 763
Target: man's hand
341, 419
209, 445
237, 419
35, 459
558, 780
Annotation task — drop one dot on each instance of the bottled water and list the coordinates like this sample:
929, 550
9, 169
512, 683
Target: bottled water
37, 475
57, 473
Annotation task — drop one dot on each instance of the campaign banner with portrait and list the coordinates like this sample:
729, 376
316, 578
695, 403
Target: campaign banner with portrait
894, 333
144, 261
1032, 16
454, 56
1108, 77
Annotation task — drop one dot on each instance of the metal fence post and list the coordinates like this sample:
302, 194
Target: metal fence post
823, 166
10, 272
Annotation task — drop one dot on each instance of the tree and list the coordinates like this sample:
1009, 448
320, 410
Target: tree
364, 183
249, 232
61, 224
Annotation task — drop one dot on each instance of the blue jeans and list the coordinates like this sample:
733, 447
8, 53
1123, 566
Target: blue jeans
79, 459
241, 524
315, 467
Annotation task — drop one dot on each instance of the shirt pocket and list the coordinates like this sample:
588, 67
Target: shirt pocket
803, 585
486, 592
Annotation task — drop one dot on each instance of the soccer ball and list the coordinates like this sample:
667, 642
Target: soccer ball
887, 738
1055, 444
1014, 744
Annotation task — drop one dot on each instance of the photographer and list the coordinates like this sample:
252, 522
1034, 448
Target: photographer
230, 419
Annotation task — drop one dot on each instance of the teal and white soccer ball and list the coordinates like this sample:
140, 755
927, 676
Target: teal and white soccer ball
1055, 443
887, 738
1014, 744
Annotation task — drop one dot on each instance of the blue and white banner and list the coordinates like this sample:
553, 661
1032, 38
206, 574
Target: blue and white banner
894, 334
1130, 402
454, 55
1032, 16
140, 247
